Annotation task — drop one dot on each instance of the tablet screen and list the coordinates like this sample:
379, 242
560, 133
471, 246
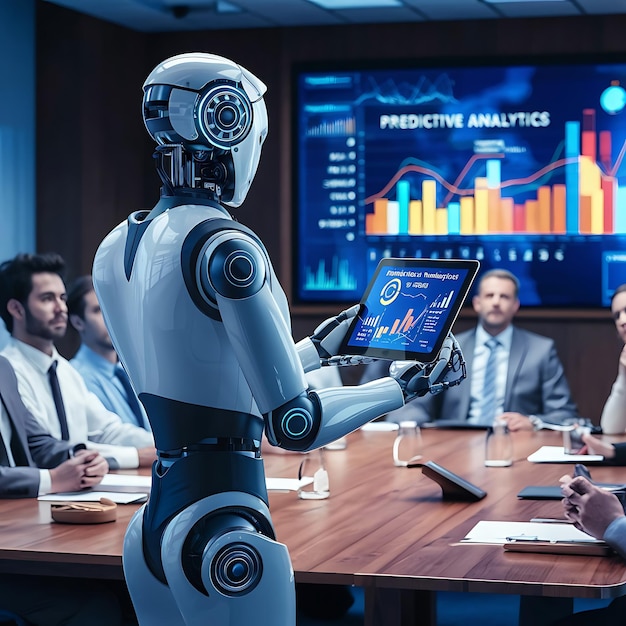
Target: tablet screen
409, 307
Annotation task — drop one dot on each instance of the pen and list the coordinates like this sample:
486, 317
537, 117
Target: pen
523, 538
550, 520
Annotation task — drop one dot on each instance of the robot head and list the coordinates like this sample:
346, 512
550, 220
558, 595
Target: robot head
213, 109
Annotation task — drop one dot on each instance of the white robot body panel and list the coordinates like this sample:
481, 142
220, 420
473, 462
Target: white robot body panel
190, 71
152, 599
269, 358
169, 347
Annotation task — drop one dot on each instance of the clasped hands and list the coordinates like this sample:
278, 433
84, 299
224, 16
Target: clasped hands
85, 469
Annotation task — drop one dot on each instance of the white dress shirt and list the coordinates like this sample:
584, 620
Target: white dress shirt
6, 431
479, 364
87, 419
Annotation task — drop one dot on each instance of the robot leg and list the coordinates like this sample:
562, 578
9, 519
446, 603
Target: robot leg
220, 569
153, 601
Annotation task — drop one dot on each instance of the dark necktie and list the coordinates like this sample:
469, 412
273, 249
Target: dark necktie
58, 400
17, 450
131, 397
488, 403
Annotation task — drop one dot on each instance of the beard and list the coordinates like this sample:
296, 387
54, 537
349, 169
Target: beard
105, 343
39, 329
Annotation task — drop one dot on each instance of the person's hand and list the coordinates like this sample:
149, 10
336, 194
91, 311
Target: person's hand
594, 445
590, 508
95, 467
516, 421
84, 470
147, 456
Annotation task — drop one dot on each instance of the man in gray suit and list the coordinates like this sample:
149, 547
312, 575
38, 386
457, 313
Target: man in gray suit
24, 449
512, 374
32, 462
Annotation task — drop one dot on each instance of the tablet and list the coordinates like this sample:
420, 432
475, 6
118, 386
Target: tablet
453, 487
409, 308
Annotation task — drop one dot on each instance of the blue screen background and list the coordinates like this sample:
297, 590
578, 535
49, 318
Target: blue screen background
524, 120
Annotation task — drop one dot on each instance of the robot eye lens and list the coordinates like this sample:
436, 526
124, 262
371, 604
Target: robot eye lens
225, 115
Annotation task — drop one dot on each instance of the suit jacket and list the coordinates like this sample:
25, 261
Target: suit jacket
36, 448
535, 384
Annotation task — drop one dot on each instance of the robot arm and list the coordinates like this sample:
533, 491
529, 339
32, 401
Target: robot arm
418, 379
234, 272
296, 418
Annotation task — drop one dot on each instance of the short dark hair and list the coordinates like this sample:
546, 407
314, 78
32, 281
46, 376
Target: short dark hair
499, 272
76, 295
16, 278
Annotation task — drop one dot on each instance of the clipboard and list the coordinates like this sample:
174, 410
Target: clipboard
560, 547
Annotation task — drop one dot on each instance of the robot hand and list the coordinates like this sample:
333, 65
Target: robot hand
417, 379
327, 338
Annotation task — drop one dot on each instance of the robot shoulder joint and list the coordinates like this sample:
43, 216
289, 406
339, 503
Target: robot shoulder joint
235, 267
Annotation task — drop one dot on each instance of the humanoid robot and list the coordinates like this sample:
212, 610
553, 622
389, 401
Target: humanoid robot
202, 326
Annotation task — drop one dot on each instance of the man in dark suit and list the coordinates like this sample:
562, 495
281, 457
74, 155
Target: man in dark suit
512, 374
32, 462
24, 448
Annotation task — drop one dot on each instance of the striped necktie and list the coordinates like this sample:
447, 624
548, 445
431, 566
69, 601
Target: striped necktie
488, 402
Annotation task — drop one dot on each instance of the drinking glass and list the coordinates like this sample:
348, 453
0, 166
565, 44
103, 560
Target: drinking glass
499, 446
313, 471
407, 447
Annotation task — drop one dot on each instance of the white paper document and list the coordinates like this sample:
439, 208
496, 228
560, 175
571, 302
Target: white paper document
287, 484
94, 496
126, 480
138, 483
126, 488
144, 482
556, 454
505, 532
379, 427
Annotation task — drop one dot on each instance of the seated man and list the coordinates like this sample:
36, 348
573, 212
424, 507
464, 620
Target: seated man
33, 307
24, 449
96, 359
599, 513
512, 374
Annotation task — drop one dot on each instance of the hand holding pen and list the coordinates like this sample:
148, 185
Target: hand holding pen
590, 508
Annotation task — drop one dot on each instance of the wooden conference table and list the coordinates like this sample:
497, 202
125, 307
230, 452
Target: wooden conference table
384, 528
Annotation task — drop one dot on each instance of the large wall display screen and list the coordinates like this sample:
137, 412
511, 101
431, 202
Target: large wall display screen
517, 166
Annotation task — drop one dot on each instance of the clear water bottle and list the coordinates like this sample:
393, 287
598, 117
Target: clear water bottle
499, 445
314, 476
407, 447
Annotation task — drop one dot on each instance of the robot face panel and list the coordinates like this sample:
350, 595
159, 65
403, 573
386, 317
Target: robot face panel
211, 106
